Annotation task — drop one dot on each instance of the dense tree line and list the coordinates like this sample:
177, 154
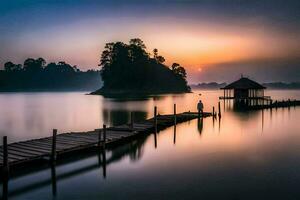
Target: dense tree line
39, 65
129, 67
36, 74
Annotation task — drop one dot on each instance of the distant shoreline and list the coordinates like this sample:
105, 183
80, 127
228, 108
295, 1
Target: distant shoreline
136, 92
43, 90
269, 86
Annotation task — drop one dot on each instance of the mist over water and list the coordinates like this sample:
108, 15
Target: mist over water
245, 155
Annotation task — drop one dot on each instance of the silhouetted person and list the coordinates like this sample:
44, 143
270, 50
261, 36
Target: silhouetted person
200, 108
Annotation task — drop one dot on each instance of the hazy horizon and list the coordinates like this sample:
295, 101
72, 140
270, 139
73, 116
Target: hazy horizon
213, 40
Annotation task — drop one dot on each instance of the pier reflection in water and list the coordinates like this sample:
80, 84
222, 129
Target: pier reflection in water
244, 155
74, 166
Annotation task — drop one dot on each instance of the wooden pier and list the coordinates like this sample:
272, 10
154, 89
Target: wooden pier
275, 104
49, 149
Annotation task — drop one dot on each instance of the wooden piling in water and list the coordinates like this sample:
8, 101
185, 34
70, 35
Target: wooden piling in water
219, 106
104, 163
104, 135
99, 137
174, 113
5, 188
53, 149
5, 158
155, 119
53, 180
213, 113
131, 120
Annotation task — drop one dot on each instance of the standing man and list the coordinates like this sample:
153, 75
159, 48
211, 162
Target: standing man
200, 108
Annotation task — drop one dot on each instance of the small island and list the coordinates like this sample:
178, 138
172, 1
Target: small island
130, 69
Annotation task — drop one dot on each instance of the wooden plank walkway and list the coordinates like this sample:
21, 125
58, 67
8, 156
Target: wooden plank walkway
24, 152
276, 104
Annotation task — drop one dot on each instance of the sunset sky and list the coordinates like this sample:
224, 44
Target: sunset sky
215, 40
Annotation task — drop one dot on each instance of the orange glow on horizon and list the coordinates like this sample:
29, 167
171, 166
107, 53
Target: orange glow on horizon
192, 44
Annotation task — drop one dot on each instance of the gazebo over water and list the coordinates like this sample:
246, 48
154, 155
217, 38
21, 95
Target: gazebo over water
246, 91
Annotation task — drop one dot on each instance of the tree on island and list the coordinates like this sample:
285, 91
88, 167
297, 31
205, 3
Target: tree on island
178, 70
129, 68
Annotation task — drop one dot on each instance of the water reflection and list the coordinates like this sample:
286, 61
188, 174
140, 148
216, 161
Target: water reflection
133, 150
102, 162
53, 179
119, 117
200, 125
265, 141
155, 140
4, 188
174, 137
262, 120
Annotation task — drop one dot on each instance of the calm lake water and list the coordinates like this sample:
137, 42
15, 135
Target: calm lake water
245, 155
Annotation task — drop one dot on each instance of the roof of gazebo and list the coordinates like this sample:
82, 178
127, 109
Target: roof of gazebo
244, 83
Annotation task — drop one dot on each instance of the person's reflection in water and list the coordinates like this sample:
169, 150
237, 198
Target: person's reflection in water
200, 125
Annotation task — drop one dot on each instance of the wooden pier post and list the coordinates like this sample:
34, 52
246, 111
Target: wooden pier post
155, 119
99, 137
271, 103
131, 120
104, 135
175, 114
219, 109
53, 150
155, 127
213, 113
5, 158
